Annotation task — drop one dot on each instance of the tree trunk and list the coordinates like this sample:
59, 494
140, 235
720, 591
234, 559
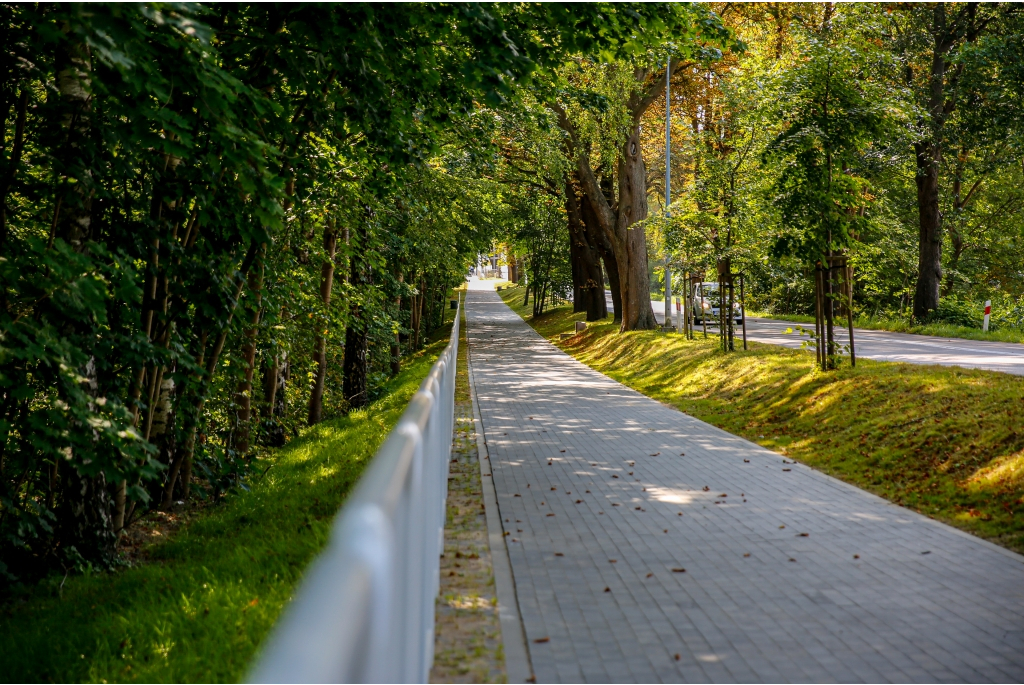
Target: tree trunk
316, 397
632, 207
929, 263
354, 366
396, 346
243, 393
588, 279
597, 237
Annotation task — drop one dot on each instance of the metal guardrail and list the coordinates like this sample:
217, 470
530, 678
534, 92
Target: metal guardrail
365, 610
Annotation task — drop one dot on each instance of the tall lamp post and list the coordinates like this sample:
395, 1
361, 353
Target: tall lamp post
668, 185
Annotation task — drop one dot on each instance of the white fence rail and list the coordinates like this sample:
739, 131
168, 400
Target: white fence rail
365, 610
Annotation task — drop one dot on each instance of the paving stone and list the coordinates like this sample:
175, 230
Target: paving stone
956, 614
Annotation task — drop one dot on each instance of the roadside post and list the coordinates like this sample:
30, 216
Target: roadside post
679, 315
743, 313
988, 314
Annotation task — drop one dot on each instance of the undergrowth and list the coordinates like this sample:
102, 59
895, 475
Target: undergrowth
944, 441
198, 605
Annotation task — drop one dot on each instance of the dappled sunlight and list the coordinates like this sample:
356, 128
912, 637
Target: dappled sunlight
943, 440
1003, 472
670, 495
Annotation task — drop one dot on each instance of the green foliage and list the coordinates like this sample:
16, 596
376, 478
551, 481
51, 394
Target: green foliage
200, 606
831, 117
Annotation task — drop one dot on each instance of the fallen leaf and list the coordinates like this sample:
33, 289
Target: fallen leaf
612, 561
542, 639
559, 554
747, 554
682, 454
927, 552
638, 508
645, 489
680, 514
679, 570
561, 450
781, 527
631, 473
706, 488
254, 602
649, 575
550, 514
554, 488
803, 535
782, 469
678, 657
666, 530
856, 556
746, 461
588, 492
614, 476
723, 495
607, 589
615, 504
792, 559
656, 454
578, 501
506, 532
517, 495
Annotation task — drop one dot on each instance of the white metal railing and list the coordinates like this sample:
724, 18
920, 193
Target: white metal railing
365, 610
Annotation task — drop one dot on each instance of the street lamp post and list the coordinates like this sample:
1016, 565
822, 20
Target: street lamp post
668, 185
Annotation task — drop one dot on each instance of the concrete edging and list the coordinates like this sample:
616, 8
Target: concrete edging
518, 668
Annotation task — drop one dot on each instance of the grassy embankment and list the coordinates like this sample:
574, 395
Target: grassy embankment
947, 442
939, 330
197, 607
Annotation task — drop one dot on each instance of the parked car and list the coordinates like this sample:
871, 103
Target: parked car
708, 305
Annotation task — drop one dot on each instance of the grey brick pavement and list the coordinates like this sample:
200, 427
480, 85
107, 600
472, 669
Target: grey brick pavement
757, 601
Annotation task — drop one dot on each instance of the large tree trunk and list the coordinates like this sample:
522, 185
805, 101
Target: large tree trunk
588, 279
85, 513
597, 237
634, 278
946, 34
929, 263
316, 397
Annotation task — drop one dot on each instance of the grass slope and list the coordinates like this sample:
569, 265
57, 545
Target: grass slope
197, 610
946, 442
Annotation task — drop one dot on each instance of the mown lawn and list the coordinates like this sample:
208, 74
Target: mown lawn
198, 607
947, 442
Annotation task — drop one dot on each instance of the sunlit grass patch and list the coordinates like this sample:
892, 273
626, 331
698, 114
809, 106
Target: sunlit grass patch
945, 441
198, 607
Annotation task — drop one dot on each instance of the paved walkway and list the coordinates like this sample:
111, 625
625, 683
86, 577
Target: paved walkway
790, 575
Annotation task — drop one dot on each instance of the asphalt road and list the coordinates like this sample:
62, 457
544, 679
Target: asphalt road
890, 347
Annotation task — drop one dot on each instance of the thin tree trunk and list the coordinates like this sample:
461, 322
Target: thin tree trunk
316, 397
243, 393
354, 366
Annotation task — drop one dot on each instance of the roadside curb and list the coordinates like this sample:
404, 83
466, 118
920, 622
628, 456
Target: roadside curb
518, 668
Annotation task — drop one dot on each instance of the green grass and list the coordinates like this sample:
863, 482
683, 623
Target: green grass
941, 330
199, 606
943, 441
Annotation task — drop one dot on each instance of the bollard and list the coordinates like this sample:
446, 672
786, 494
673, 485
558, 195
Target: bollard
581, 326
988, 313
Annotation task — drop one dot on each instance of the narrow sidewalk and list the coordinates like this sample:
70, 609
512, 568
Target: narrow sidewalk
648, 546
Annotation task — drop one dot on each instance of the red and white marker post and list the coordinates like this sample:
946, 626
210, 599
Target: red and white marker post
988, 314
